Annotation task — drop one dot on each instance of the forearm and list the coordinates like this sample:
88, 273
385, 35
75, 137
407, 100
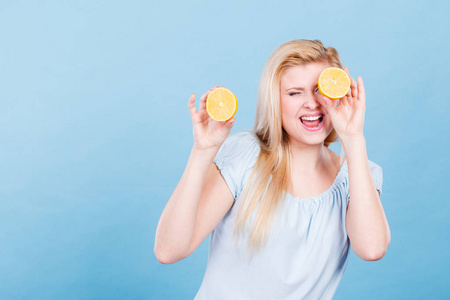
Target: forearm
366, 222
177, 223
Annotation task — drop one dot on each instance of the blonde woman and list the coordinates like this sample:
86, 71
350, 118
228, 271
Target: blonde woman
281, 207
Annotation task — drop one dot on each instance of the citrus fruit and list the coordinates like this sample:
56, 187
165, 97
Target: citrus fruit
334, 83
221, 104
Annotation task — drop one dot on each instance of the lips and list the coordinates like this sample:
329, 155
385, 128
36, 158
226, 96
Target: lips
311, 115
312, 122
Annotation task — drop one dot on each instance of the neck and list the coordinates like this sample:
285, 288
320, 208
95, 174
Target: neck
309, 158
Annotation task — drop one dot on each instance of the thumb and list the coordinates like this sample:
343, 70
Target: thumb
228, 125
225, 127
230, 122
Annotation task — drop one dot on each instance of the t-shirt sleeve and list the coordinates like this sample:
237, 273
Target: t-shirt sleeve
236, 159
377, 176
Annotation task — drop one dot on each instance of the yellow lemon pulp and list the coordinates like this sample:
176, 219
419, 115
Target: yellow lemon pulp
221, 104
334, 83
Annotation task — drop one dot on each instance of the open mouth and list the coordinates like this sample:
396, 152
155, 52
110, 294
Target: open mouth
312, 123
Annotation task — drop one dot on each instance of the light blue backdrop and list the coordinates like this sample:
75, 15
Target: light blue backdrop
95, 134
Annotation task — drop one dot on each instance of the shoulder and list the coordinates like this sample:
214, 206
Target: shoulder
243, 144
374, 167
236, 158
377, 175
375, 170
242, 138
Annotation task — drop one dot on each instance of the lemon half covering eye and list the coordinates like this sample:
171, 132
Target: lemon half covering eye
221, 104
334, 83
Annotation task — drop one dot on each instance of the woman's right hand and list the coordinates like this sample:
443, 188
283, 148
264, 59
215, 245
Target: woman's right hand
208, 133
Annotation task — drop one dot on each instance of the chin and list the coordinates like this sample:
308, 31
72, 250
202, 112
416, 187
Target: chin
311, 141
315, 142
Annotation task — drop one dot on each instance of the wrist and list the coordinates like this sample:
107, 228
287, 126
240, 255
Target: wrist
204, 152
200, 159
353, 143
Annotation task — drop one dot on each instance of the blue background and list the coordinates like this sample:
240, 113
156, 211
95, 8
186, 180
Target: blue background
95, 134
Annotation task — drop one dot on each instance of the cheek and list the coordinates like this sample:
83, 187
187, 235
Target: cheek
288, 108
287, 115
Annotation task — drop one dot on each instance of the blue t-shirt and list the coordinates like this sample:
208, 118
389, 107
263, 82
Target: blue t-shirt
307, 251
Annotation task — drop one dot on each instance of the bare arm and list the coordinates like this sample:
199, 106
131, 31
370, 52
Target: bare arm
366, 222
201, 198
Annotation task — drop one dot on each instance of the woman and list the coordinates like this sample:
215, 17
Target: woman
277, 200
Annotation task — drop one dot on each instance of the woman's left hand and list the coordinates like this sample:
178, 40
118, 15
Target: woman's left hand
348, 116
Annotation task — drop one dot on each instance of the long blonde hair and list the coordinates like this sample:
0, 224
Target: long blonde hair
270, 177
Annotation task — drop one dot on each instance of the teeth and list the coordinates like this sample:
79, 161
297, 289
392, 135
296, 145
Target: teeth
311, 118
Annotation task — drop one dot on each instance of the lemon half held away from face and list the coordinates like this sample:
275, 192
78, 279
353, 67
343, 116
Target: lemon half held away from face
221, 104
334, 83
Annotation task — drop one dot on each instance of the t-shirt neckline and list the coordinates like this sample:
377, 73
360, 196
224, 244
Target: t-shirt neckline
329, 190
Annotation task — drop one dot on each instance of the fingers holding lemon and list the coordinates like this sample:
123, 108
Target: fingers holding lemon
214, 120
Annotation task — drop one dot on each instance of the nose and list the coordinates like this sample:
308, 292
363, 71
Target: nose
312, 102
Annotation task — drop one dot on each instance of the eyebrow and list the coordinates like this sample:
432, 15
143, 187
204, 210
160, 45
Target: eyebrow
296, 88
